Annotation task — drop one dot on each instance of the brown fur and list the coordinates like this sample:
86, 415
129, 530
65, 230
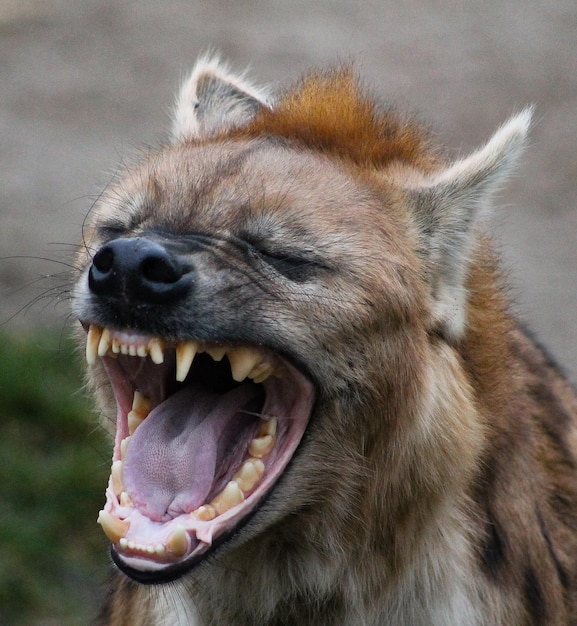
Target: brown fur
437, 479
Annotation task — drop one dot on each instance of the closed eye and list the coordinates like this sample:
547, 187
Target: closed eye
295, 268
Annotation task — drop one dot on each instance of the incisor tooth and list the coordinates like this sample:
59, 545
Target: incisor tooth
104, 342
177, 543
156, 350
242, 362
92, 341
230, 496
261, 446
113, 527
116, 476
115, 347
185, 353
142, 350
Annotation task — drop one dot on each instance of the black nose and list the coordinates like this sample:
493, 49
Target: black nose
140, 270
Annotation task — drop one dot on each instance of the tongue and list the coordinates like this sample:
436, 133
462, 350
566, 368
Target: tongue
171, 461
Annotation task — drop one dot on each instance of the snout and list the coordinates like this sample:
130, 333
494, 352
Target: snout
139, 270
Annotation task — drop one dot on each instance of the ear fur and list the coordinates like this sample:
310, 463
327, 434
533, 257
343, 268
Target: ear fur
448, 205
213, 99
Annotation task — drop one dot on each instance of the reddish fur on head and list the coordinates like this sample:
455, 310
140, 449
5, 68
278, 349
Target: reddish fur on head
366, 134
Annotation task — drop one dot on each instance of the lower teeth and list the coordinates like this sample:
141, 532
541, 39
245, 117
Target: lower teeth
242, 483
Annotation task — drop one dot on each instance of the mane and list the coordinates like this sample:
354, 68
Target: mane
331, 113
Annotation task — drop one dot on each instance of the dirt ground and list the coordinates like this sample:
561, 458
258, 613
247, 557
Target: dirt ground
84, 83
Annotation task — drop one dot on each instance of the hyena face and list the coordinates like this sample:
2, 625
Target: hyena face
219, 278
285, 311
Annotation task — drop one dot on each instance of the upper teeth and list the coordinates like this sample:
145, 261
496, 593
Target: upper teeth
245, 362
185, 353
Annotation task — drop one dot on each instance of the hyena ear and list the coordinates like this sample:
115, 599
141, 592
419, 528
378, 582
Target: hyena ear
213, 99
448, 206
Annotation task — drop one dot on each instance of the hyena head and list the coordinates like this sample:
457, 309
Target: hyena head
272, 303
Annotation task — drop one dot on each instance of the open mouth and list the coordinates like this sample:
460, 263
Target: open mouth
203, 432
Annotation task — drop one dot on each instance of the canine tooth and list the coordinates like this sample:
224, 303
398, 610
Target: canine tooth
230, 496
204, 513
116, 475
156, 350
125, 499
141, 405
247, 476
261, 446
92, 341
185, 353
216, 352
268, 427
113, 527
104, 342
242, 362
177, 543
134, 420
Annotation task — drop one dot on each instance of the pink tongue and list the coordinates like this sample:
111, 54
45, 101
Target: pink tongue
171, 459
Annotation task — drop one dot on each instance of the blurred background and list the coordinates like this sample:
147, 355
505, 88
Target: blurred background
85, 84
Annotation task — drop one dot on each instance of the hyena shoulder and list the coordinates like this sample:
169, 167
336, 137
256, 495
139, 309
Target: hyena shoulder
325, 411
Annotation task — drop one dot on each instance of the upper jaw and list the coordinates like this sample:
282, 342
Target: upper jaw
144, 371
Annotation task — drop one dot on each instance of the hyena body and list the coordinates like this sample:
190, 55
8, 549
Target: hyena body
401, 451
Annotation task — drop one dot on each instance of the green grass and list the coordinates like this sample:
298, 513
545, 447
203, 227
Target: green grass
54, 465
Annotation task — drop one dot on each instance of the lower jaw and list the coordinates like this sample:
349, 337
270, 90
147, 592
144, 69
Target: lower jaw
184, 543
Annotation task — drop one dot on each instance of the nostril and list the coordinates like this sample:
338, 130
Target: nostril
160, 269
103, 260
138, 270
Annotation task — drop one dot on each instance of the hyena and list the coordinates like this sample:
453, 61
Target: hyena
324, 412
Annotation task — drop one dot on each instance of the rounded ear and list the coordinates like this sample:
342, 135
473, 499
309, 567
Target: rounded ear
447, 207
213, 99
